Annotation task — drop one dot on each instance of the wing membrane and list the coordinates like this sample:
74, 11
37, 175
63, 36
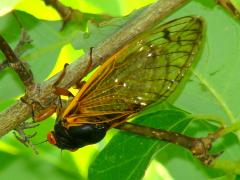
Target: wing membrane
146, 70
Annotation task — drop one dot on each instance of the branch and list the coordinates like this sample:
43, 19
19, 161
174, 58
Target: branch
19, 112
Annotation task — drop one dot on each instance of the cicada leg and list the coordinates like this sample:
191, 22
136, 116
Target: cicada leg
58, 90
80, 83
22, 137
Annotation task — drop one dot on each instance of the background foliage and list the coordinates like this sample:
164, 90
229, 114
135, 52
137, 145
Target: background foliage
211, 90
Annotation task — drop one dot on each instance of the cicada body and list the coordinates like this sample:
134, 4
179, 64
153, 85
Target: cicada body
146, 70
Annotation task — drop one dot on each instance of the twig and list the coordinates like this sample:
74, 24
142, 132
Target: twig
20, 47
19, 112
199, 147
64, 11
25, 40
69, 14
23, 72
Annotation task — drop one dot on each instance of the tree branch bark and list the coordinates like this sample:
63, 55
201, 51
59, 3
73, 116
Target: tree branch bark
19, 112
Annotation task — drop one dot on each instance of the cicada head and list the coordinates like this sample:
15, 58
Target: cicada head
76, 137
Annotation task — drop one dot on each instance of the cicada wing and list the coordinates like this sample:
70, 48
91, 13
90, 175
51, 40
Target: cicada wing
148, 69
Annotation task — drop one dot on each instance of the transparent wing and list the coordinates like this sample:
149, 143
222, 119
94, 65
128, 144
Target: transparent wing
145, 71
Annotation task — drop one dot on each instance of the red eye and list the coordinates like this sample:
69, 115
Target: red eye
51, 139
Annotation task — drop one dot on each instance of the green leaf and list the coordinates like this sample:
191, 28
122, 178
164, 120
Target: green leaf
130, 153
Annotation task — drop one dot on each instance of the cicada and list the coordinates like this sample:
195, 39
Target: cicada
146, 70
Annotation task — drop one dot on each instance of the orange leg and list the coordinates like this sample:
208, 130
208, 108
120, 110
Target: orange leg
88, 68
79, 84
61, 91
